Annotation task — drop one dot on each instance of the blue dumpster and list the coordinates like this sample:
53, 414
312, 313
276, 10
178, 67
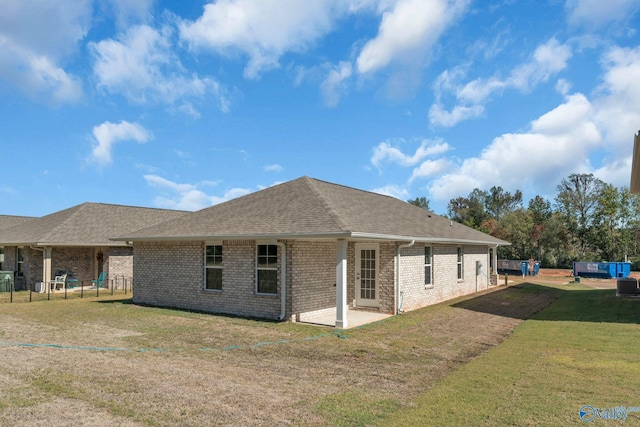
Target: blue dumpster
602, 270
506, 266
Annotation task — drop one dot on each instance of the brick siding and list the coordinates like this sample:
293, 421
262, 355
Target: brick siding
445, 283
171, 274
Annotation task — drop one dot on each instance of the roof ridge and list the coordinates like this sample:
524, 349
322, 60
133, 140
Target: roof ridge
311, 184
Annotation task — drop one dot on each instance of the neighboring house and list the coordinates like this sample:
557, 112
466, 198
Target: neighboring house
307, 248
7, 221
77, 240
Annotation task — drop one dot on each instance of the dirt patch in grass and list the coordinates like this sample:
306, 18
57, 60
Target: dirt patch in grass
87, 362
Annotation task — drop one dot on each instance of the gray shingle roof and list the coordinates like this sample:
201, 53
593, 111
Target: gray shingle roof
88, 224
306, 208
7, 221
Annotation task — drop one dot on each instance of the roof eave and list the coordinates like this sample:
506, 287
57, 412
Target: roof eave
265, 236
423, 239
310, 236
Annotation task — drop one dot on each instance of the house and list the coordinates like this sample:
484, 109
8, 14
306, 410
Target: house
7, 221
77, 240
306, 248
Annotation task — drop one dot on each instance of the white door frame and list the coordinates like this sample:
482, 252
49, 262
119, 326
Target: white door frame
371, 273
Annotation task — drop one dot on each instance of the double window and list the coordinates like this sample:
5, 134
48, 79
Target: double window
267, 269
213, 268
428, 264
460, 264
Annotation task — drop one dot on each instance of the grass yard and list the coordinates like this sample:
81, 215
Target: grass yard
581, 350
109, 362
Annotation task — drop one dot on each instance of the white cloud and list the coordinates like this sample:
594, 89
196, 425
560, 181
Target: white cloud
558, 144
547, 60
440, 117
393, 191
127, 11
618, 107
142, 66
407, 32
107, 134
273, 168
597, 13
35, 37
430, 168
386, 152
334, 83
188, 196
264, 30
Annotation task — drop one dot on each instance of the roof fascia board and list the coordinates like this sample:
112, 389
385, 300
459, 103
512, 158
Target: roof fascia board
314, 236
375, 236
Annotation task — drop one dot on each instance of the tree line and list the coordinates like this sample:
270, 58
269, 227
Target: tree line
588, 220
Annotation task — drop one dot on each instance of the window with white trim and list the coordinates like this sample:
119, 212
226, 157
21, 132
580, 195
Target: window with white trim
267, 269
460, 264
20, 259
213, 268
1, 256
428, 264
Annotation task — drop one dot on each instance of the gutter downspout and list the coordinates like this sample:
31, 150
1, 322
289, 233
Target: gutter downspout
398, 291
283, 279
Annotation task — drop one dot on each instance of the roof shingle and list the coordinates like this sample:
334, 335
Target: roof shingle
88, 224
308, 207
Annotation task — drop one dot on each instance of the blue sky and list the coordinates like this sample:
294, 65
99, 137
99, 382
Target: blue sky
185, 104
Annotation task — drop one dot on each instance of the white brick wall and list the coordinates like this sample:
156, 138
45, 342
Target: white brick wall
171, 274
445, 283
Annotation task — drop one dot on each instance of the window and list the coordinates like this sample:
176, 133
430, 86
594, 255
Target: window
267, 269
1, 256
427, 266
460, 259
20, 259
213, 268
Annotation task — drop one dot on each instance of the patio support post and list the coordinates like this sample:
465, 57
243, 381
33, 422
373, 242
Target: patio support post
341, 284
46, 266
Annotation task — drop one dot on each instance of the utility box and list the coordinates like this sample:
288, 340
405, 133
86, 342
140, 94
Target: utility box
478, 268
627, 287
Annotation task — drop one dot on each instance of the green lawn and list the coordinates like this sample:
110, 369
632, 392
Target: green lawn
581, 350
473, 361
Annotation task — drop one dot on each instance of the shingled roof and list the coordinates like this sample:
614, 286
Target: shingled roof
88, 224
7, 221
310, 208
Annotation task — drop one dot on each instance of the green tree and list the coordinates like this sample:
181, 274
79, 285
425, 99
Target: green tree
541, 212
577, 198
421, 202
607, 220
516, 227
499, 203
470, 210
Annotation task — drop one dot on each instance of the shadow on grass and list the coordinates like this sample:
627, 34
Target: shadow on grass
530, 300
125, 300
